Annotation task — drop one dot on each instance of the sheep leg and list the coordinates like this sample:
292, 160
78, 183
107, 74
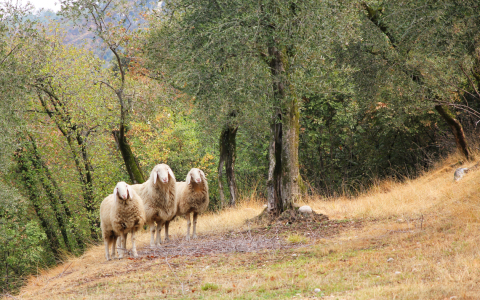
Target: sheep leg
159, 237
113, 241
152, 238
187, 216
167, 238
134, 248
119, 243
123, 241
194, 235
107, 242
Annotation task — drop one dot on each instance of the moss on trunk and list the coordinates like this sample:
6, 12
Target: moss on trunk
133, 168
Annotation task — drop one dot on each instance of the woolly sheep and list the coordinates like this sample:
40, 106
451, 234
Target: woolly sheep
158, 194
192, 197
120, 213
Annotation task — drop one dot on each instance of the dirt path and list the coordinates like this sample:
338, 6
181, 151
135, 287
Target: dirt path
273, 237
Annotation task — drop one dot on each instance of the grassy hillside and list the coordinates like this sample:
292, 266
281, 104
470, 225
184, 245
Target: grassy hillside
413, 240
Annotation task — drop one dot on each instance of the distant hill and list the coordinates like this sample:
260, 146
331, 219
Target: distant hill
81, 37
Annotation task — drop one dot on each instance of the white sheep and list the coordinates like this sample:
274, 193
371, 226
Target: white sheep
192, 197
120, 213
158, 194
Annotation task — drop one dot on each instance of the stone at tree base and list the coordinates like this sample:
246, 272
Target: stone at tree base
459, 173
305, 209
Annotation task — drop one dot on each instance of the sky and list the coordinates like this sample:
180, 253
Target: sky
45, 4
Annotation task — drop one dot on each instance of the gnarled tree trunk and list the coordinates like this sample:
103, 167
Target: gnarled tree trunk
283, 181
228, 154
133, 168
457, 131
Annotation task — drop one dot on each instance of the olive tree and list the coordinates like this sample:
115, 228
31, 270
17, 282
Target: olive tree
251, 57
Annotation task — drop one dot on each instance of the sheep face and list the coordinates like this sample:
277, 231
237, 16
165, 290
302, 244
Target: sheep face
122, 191
195, 176
161, 173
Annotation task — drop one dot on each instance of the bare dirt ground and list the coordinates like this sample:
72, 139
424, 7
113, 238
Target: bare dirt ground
270, 237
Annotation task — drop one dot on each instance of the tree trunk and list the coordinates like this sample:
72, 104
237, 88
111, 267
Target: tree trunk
26, 163
283, 149
71, 132
57, 200
290, 165
228, 151
221, 162
457, 131
228, 154
274, 191
133, 168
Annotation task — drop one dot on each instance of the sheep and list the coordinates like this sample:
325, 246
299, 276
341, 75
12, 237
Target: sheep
120, 213
192, 196
158, 194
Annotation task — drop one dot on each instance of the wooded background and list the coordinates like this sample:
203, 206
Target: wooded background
272, 99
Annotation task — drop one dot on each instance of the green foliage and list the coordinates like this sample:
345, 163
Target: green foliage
346, 146
23, 244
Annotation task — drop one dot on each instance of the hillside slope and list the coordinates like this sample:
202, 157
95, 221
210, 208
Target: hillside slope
412, 240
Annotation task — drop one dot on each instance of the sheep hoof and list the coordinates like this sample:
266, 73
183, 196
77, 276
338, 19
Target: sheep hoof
135, 255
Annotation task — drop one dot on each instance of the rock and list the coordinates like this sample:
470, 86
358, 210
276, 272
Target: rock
459, 173
317, 290
305, 209
390, 259
398, 273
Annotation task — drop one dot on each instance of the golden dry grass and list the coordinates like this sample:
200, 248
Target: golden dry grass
419, 240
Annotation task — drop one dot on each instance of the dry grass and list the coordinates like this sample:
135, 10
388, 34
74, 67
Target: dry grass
407, 200
419, 240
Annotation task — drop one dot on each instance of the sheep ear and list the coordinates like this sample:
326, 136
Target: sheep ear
115, 194
189, 178
155, 177
129, 189
170, 172
203, 175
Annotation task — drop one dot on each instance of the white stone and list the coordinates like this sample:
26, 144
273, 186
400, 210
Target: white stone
459, 173
317, 290
305, 209
390, 259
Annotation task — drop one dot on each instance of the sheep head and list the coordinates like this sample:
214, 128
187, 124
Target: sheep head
195, 176
122, 191
162, 173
